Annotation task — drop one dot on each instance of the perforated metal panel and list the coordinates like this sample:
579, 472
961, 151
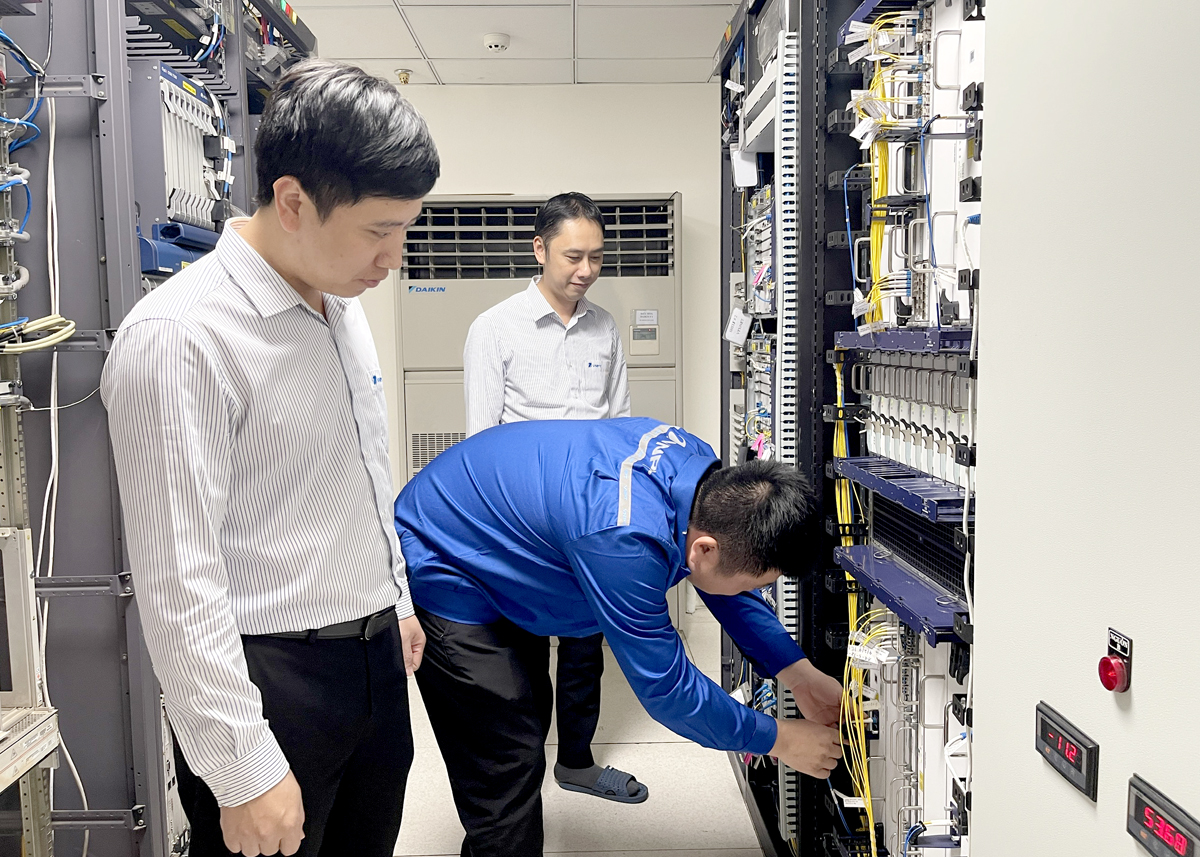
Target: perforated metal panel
426, 446
494, 241
787, 218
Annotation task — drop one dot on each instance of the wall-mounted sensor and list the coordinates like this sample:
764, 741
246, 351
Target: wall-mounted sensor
496, 43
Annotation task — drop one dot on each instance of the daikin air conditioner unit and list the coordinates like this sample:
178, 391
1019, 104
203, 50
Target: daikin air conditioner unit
466, 254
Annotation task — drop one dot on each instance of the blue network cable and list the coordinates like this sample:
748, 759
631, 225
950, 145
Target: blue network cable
28, 198
849, 234
24, 141
32, 68
218, 38
838, 805
914, 831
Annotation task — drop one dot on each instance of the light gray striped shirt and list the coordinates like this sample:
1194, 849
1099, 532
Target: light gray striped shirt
250, 437
522, 363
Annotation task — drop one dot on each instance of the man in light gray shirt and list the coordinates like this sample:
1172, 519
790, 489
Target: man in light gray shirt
548, 353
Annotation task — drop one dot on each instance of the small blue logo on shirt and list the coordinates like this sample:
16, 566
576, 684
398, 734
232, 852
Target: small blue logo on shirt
427, 288
376, 379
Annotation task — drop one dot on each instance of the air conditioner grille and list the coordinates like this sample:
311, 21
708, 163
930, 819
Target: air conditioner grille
495, 242
427, 445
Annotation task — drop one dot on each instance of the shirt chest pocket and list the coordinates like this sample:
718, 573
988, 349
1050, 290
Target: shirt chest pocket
593, 380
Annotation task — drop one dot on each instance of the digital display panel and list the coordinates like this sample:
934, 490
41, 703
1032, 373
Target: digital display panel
1072, 754
1157, 823
1061, 744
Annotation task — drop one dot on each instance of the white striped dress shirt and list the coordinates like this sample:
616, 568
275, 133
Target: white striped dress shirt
522, 363
250, 437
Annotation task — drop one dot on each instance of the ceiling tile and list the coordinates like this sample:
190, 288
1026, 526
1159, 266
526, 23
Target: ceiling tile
407, 3
650, 32
360, 31
725, 3
340, 4
386, 69
505, 71
456, 32
645, 71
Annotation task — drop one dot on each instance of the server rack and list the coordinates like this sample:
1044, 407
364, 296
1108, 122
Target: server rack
859, 323
97, 670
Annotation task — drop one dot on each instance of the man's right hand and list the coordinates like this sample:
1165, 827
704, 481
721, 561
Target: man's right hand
272, 823
808, 747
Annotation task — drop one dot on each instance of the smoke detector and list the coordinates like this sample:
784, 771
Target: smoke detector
402, 74
496, 43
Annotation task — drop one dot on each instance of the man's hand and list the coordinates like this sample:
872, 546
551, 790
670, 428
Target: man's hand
818, 696
412, 639
272, 823
808, 747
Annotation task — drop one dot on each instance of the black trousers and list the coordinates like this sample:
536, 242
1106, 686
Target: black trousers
488, 694
577, 697
339, 710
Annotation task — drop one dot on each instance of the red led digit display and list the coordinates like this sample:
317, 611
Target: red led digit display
1176, 839
1060, 744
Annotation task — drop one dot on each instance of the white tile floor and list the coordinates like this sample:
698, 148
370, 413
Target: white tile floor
694, 806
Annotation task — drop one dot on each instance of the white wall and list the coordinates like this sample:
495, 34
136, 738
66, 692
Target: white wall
543, 140
1088, 468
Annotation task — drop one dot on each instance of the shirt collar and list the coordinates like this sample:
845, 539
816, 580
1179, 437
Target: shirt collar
262, 284
539, 307
683, 494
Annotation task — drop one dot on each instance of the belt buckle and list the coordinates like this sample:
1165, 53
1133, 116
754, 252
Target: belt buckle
374, 625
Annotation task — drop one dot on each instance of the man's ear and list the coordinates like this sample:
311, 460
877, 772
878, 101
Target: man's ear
290, 198
539, 249
704, 552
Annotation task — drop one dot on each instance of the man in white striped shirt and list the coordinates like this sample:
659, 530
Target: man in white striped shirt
249, 428
550, 354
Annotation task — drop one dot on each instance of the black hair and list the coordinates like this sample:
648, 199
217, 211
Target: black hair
566, 206
761, 514
345, 135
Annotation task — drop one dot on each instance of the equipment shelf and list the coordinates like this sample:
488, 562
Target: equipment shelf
936, 499
919, 604
921, 340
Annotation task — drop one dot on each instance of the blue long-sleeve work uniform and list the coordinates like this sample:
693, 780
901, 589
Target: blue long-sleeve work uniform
572, 527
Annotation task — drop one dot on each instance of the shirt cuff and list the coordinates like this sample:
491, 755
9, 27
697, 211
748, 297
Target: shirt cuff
251, 776
404, 607
766, 730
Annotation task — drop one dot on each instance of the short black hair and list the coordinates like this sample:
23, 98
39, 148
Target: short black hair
761, 514
566, 206
345, 135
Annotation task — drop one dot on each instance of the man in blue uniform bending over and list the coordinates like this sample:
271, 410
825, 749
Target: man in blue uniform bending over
567, 528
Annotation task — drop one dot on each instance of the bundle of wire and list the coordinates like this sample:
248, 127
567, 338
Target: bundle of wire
764, 697
36, 71
866, 630
853, 715
56, 329
882, 103
210, 44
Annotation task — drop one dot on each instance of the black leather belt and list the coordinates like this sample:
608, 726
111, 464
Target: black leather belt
355, 629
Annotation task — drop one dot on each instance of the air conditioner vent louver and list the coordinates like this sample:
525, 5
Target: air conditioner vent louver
427, 445
495, 242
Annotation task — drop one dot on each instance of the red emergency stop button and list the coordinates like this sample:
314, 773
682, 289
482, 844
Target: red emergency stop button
1114, 674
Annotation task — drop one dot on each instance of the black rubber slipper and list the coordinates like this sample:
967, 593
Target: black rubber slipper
610, 785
